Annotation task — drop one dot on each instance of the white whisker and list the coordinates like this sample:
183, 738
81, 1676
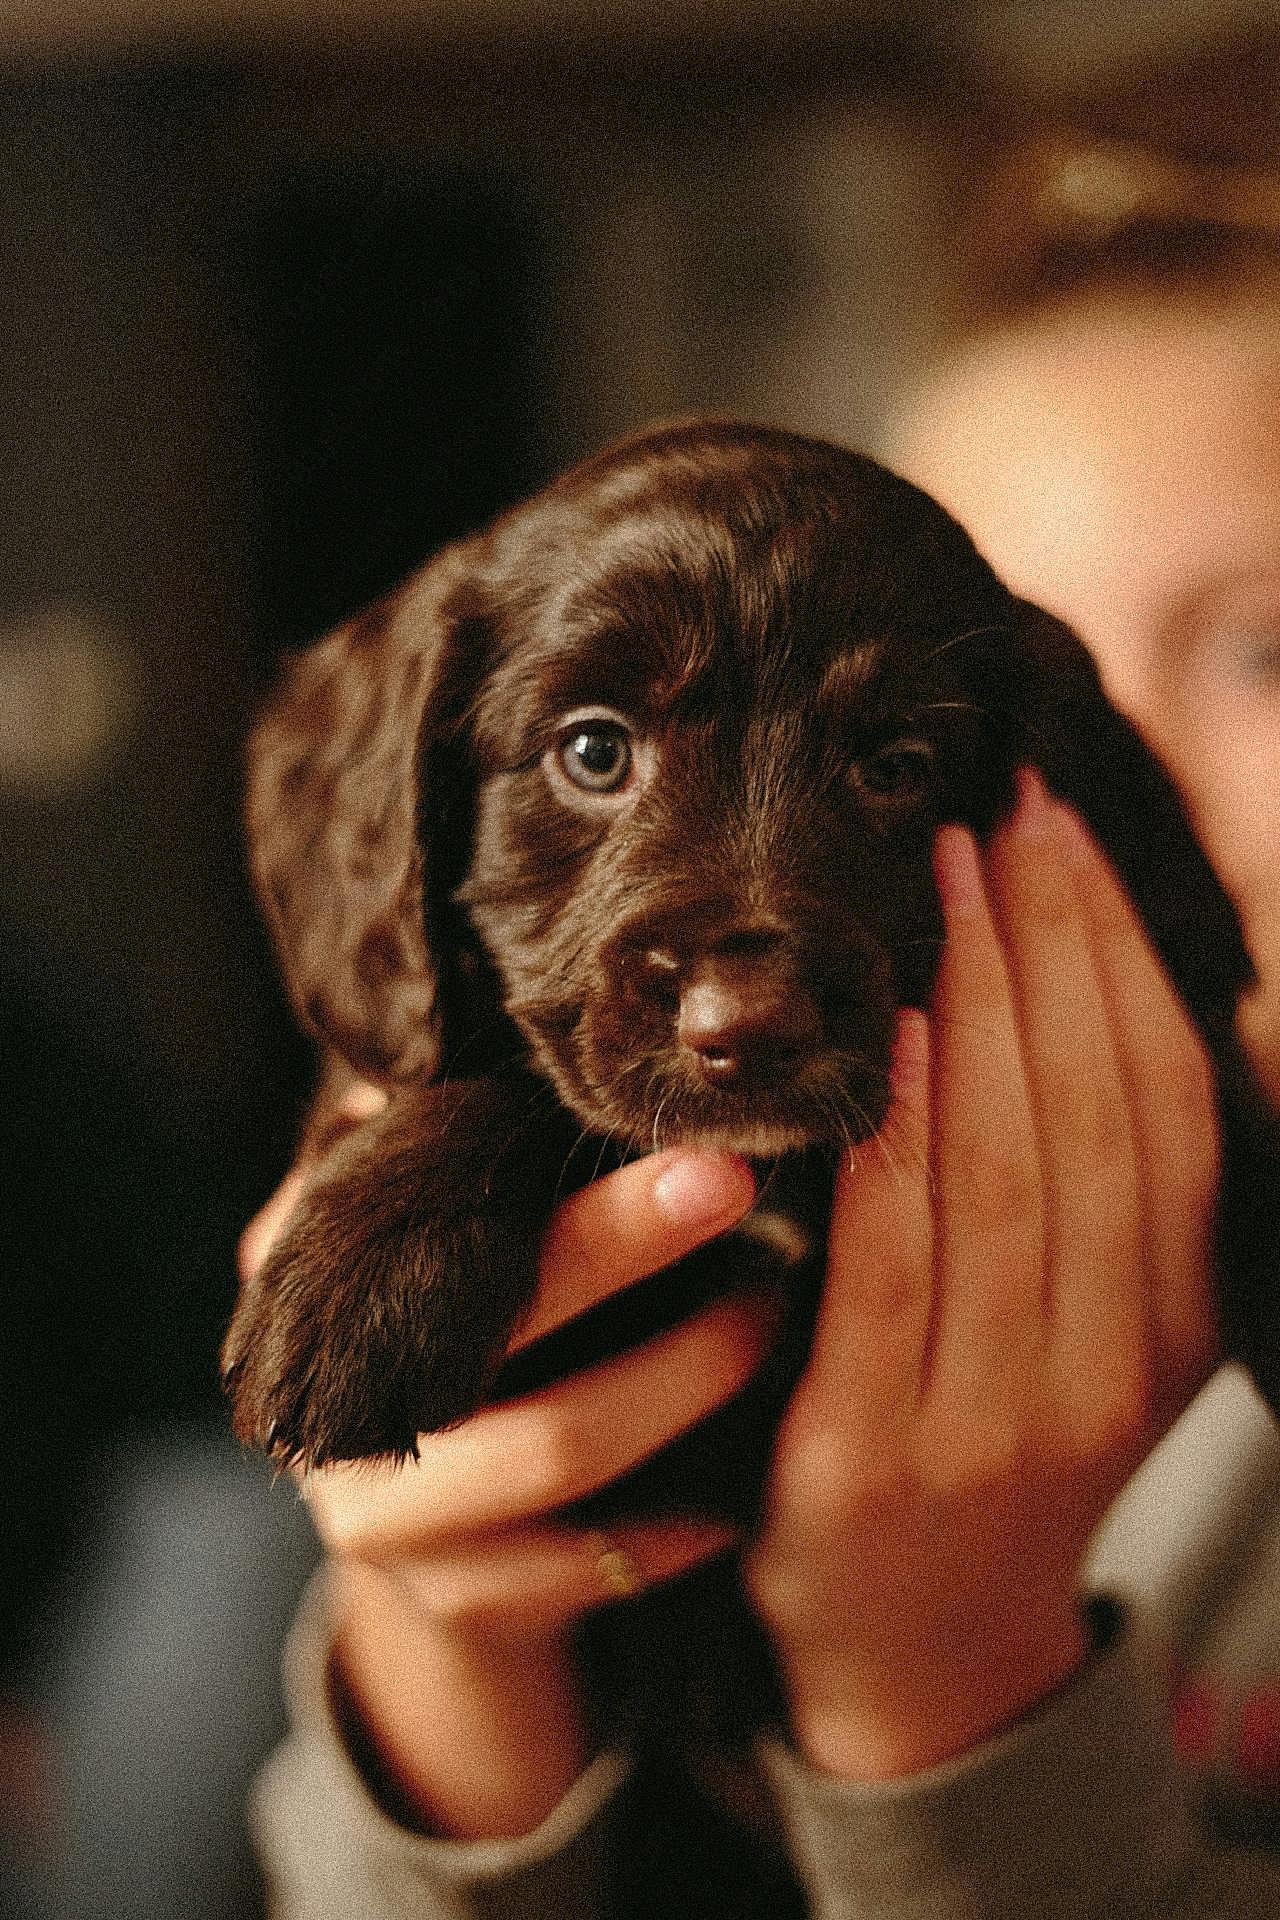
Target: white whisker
958, 640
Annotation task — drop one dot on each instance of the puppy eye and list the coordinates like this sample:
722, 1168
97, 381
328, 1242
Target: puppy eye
596, 756
900, 772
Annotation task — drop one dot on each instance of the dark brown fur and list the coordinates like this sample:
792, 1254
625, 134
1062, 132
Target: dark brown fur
816, 668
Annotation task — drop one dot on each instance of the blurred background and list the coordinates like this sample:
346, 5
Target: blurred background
290, 294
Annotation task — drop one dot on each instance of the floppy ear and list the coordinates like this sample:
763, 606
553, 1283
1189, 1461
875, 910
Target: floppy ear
343, 834
1097, 761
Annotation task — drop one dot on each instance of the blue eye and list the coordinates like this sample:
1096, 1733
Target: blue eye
596, 756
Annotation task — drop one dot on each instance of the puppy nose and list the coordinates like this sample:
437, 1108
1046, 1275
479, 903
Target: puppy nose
736, 1020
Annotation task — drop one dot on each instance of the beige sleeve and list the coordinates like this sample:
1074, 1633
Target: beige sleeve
330, 1852
1078, 1812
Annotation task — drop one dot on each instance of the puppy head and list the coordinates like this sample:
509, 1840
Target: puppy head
644, 781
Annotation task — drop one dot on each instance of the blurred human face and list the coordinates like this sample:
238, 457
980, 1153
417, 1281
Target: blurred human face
1121, 465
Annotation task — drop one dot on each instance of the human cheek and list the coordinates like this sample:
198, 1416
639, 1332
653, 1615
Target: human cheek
1236, 706
1230, 772
1227, 765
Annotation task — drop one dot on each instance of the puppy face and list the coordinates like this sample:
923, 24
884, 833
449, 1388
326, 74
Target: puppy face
642, 783
638, 788
711, 755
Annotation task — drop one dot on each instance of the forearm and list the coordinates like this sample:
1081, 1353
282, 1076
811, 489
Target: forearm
472, 1740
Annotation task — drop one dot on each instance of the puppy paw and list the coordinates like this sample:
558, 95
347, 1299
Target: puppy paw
349, 1352
314, 1379
384, 1310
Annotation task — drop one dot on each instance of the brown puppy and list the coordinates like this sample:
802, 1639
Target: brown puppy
612, 830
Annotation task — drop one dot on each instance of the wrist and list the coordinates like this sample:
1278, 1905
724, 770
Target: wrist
464, 1735
860, 1724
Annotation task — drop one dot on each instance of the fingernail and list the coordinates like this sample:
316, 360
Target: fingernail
956, 868
703, 1189
1033, 816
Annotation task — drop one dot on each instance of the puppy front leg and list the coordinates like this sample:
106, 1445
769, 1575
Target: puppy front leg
384, 1309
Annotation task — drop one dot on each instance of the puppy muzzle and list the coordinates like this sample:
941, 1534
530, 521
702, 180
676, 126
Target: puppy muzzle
741, 1041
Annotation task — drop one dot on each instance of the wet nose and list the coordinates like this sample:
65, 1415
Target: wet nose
737, 1017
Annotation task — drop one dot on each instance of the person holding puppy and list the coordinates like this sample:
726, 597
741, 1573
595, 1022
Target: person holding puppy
1018, 1306
1018, 1303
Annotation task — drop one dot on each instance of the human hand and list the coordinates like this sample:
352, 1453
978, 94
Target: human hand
455, 1586
1017, 1305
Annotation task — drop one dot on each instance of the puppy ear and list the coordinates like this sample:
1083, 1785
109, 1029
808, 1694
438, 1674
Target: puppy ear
1097, 761
337, 818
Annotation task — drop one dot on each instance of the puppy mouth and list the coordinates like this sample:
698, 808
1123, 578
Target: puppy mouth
830, 1099
763, 1074
762, 1140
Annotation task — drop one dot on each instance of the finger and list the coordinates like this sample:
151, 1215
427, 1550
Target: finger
873, 1328
631, 1223
1095, 1270
360, 1101
269, 1222
1170, 1090
989, 1207
542, 1577
526, 1457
